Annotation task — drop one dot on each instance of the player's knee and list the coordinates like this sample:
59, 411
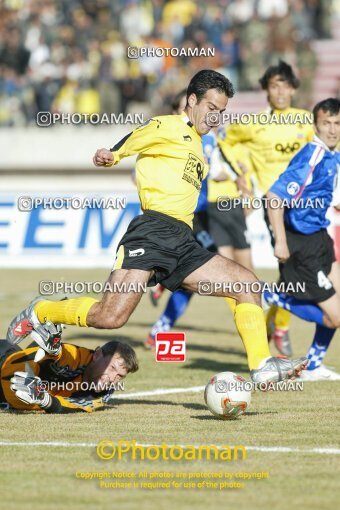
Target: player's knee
251, 282
249, 288
335, 322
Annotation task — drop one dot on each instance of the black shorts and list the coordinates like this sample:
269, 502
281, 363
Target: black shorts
155, 241
310, 262
228, 228
200, 228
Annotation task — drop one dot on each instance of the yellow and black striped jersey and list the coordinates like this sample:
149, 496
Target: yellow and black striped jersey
66, 368
170, 165
271, 138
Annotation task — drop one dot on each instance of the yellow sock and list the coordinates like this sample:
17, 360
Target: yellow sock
282, 318
251, 325
231, 303
68, 311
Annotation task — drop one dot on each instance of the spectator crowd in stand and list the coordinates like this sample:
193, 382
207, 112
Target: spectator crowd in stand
71, 55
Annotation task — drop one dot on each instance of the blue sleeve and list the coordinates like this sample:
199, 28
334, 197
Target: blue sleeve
208, 143
292, 181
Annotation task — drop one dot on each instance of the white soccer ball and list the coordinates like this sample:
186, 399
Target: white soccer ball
227, 395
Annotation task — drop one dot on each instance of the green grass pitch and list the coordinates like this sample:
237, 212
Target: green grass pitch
43, 477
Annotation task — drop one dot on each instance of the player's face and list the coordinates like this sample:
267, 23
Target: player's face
213, 102
105, 370
280, 93
328, 128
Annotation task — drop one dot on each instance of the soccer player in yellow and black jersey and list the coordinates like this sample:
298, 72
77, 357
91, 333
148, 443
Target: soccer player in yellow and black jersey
271, 139
67, 378
159, 245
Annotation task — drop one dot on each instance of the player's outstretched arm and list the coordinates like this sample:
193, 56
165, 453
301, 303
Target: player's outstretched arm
144, 139
31, 391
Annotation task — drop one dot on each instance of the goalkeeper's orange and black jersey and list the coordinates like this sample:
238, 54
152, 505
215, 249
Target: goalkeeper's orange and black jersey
270, 145
170, 165
67, 368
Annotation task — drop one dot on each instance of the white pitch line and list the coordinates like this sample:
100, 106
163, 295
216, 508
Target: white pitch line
160, 391
265, 449
169, 391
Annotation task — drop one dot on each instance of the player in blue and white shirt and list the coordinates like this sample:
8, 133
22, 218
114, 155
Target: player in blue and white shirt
308, 188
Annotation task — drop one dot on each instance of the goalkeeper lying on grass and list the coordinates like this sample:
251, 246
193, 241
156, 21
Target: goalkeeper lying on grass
61, 378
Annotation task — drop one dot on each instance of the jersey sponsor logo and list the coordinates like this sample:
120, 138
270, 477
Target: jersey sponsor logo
187, 138
193, 171
136, 253
293, 188
170, 346
288, 148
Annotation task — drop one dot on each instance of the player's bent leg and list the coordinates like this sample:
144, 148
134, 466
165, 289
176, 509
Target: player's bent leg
114, 309
334, 277
226, 278
316, 371
111, 312
331, 307
228, 252
249, 318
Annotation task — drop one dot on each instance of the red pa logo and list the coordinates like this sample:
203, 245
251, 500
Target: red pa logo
170, 346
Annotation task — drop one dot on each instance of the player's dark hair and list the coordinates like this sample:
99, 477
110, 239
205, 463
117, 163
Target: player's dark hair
206, 80
330, 105
284, 70
125, 351
176, 100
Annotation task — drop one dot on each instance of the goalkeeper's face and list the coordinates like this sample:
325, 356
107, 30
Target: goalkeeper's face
105, 370
202, 113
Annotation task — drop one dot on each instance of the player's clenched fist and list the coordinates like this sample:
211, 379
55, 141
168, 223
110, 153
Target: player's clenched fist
103, 157
281, 251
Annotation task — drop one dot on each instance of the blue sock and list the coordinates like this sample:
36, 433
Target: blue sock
320, 344
176, 306
306, 310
